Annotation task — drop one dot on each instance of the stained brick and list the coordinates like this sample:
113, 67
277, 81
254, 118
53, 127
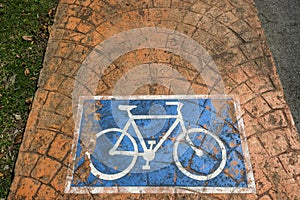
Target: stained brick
257, 107
84, 26
41, 140
273, 120
72, 23
45, 169
27, 188
50, 120
26, 163
46, 192
58, 181
274, 142
60, 147
200, 7
275, 99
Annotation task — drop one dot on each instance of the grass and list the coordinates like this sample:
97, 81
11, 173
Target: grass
20, 63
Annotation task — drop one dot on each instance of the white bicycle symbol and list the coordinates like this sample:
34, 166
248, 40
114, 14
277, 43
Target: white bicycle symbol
149, 153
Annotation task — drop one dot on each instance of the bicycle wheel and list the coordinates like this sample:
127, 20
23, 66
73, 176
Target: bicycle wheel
111, 166
199, 154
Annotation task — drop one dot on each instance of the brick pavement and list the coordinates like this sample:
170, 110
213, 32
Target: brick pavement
231, 33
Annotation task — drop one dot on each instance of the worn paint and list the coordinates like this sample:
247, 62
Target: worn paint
162, 143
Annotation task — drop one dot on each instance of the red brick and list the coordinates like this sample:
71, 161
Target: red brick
45, 169
252, 125
66, 87
72, 10
53, 81
68, 127
292, 137
181, 4
243, 10
257, 107
27, 188
192, 18
275, 99
198, 89
65, 107
262, 185
39, 99
186, 29
274, 142
275, 171
53, 64
186, 73
50, 120
69, 68
46, 192
238, 75
58, 181
60, 147
265, 197
92, 39
144, 90
275, 119
234, 56
41, 140
200, 7
84, 2
106, 29
72, 23
79, 54
244, 93
162, 3
258, 155
52, 101
224, 5
291, 189
111, 79
214, 12
84, 26
176, 15
230, 39
68, 1
215, 46
240, 27
206, 23
260, 84
227, 18
26, 163
96, 18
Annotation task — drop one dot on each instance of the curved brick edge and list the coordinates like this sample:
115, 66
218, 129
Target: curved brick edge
229, 30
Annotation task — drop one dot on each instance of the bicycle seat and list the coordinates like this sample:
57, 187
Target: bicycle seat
126, 107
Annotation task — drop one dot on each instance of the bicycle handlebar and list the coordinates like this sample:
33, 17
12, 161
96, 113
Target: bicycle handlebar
170, 103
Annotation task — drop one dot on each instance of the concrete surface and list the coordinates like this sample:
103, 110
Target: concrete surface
281, 21
229, 30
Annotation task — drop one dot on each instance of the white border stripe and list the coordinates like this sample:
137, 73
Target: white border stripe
157, 189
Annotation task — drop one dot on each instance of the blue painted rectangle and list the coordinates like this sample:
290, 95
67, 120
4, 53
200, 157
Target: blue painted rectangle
160, 142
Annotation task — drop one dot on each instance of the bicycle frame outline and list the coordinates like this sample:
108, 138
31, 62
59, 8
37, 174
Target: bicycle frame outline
149, 154
151, 150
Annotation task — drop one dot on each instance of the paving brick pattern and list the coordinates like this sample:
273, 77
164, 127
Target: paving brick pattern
232, 34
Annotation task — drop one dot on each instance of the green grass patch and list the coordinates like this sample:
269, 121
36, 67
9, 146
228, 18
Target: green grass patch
23, 40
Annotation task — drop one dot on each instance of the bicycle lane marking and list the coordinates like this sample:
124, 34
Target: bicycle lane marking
115, 159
